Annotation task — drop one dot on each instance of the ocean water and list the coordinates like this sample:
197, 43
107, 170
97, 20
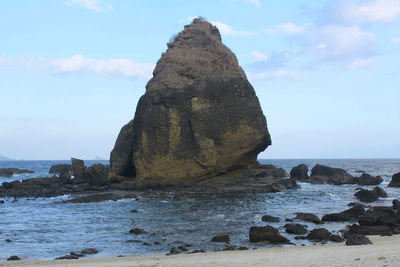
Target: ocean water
44, 228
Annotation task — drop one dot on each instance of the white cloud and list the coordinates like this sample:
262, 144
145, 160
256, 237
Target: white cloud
359, 63
330, 43
287, 29
260, 56
95, 5
80, 64
227, 30
383, 11
396, 40
280, 73
257, 3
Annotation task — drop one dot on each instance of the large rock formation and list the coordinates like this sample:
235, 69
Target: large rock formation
199, 117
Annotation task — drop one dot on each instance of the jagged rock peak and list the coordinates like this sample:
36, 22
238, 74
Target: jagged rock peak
196, 52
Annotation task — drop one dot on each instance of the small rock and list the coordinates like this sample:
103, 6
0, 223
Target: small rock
295, 228
319, 234
13, 258
146, 244
67, 257
366, 179
300, 237
242, 248
134, 211
221, 238
89, 251
366, 195
357, 239
269, 218
8, 240
2, 202
307, 217
335, 217
137, 231
266, 233
174, 251
300, 172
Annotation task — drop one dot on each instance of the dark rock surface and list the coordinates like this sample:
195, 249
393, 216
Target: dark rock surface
221, 238
321, 174
319, 234
357, 239
395, 182
295, 228
380, 192
300, 172
308, 217
68, 257
268, 234
366, 179
269, 218
199, 117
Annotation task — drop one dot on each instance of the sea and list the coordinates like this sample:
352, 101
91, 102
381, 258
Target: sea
46, 228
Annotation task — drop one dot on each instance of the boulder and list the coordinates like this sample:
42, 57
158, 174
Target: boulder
300, 172
366, 179
295, 228
308, 217
321, 174
199, 117
395, 182
356, 239
366, 195
319, 234
78, 169
97, 174
269, 218
266, 233
379, 216
221, 238
396, 204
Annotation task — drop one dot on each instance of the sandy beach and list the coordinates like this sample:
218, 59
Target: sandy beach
383, 252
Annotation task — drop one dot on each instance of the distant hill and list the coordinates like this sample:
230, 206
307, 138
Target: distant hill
98, 158
4, 158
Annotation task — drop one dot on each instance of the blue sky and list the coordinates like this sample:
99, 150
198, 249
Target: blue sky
327, 73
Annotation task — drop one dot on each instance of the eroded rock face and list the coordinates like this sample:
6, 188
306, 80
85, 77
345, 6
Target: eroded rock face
199, 117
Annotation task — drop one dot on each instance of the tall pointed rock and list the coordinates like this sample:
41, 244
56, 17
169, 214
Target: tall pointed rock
199, 117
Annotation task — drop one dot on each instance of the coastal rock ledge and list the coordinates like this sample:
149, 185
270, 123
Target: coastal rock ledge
199, 118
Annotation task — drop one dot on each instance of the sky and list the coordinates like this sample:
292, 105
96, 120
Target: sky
327, 73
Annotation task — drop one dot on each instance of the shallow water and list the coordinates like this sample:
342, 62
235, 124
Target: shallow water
44, 229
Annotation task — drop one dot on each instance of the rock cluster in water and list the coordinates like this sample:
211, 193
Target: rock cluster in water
199, 117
